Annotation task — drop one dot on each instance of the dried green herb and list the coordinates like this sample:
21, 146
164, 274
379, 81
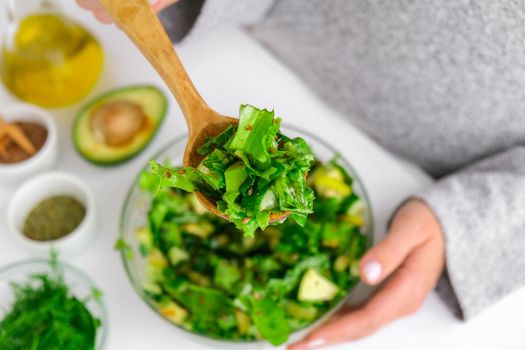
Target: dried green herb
46, 316
53, 218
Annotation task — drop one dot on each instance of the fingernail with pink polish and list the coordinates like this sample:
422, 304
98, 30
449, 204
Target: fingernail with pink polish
372, 271
316, 343
154, 2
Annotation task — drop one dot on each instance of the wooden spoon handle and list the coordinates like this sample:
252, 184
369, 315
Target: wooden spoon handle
138, 20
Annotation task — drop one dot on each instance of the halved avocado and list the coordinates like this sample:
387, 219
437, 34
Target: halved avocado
119, 124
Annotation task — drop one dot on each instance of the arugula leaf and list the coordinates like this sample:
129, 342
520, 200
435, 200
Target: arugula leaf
226, 275
270, 319
185, 179
124, 247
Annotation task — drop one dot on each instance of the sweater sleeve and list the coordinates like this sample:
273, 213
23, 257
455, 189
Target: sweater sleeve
482, 214
193, 18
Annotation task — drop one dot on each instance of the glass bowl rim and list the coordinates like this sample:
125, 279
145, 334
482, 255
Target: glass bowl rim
78, 273
370, 232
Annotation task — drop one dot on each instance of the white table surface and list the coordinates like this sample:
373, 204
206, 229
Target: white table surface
229, 68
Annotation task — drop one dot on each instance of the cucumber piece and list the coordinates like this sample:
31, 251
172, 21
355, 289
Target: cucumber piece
234, 176
268, 201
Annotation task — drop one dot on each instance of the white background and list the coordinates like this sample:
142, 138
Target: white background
229, 68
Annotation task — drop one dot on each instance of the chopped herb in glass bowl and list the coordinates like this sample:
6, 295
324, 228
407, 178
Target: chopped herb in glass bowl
201, 273
47, 305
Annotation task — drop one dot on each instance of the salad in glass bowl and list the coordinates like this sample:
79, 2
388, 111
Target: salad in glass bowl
200, 273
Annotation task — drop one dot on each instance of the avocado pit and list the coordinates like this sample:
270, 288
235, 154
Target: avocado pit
116, 123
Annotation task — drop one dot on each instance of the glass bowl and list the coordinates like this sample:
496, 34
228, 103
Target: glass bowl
137, 204
78, 282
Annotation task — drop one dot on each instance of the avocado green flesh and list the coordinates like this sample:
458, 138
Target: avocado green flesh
154, 104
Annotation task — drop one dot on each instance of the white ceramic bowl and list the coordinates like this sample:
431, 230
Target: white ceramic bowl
37, 189
44, 159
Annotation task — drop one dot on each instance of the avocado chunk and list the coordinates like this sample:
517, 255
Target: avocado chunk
329, 182
315, 287
119, 124
177, 255
244, 321
155, 264
299, 311
200, 229
173, 311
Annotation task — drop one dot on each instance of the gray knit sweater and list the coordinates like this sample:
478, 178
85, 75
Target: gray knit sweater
440, 83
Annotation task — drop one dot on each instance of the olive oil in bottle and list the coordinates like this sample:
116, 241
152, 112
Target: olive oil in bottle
50, 60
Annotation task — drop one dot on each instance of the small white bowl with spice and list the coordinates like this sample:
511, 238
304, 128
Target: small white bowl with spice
21, 124
53, 210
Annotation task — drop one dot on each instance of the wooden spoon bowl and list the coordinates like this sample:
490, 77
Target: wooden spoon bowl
140, 23
215, 125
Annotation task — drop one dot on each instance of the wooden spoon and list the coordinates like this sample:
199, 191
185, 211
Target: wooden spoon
140, 23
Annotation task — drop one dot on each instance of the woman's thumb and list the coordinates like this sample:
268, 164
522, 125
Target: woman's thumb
385, 257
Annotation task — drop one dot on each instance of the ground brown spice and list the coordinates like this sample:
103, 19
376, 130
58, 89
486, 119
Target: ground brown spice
36, 133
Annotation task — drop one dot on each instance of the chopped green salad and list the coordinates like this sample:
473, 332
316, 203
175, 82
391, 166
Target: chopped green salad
205, 276
251, 171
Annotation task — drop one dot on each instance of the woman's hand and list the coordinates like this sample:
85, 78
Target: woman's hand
102, 16
411, 258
